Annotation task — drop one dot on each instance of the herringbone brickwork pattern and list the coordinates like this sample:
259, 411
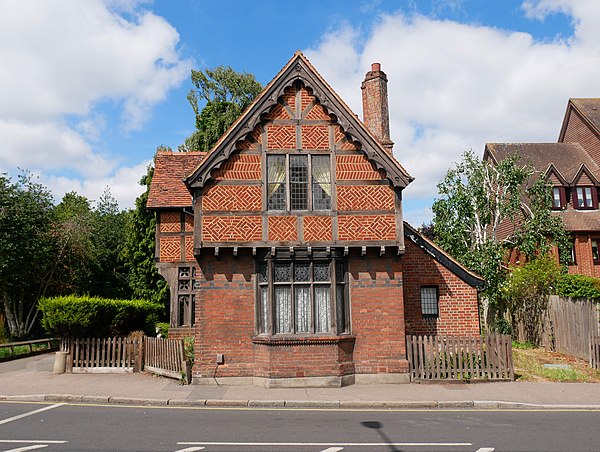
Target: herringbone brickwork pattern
253, 140
318, 112
170, 221
281, 137
283, 229
189, 248
234, 198
365, 197
278, 112
189, 223
240, 167
170, 249
342, 141
231, 228
289, 97
315, 137
366, 227
355, 167
318, 229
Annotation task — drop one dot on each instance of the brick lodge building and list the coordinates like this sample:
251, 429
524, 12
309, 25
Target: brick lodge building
285, 249
572, 165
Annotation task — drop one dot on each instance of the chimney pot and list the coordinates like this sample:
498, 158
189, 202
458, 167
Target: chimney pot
375, 67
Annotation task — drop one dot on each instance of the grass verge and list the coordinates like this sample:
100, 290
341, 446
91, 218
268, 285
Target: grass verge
529, 366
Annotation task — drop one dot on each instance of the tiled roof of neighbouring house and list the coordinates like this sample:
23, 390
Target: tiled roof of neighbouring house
567, 158
167, 188
590, 108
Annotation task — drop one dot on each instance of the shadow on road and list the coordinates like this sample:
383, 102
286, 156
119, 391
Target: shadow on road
376, 425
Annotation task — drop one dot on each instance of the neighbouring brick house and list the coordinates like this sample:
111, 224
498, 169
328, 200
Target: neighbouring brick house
285, 248
573, 167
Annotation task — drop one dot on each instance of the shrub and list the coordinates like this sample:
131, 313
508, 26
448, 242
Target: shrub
72, 316
162, 328
579, 286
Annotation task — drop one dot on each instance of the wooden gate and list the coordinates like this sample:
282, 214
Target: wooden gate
460, 357
166, 357
103, 355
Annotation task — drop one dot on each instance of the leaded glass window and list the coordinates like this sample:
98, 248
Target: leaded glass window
298, 182
184, 304
301, 296
429, 302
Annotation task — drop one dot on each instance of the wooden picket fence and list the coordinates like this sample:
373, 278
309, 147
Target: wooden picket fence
121, 354
595, 352
166, 357
103, 355
463, 358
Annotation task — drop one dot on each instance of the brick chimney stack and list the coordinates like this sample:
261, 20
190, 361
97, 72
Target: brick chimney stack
376, 114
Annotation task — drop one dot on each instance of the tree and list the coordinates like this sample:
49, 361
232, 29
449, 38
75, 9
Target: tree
28, 250
476, 199
138, 250
226, 93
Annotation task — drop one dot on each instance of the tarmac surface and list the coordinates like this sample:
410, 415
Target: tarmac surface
32, 379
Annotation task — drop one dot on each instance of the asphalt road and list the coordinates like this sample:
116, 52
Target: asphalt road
63, 427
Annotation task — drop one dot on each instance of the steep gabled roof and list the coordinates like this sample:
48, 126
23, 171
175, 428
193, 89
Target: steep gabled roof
588, 109
170, 169
566, 158
299, 68
442, 257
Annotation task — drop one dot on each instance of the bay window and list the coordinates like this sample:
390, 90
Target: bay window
301, 295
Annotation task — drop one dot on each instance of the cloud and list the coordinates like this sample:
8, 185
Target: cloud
65, 61
454, 86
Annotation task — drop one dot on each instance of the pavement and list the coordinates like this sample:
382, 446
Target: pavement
32, 379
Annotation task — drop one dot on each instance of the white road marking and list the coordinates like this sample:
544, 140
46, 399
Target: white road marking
333, 449
21, 416
26, 448
485, 449
190, 449
31, 441
222, 443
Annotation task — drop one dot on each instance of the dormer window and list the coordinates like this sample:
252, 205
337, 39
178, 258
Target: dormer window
585, 198
558, 198
298, 182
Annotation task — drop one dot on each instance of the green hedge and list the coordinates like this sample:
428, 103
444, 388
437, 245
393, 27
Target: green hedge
73, 316
579, 286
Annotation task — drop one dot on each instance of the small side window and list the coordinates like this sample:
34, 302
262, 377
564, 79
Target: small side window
430, 302
595, 251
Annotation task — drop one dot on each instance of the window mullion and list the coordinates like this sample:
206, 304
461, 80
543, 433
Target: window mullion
288, 183
311, 294
269, 328
309, 181
332, 297
292, 299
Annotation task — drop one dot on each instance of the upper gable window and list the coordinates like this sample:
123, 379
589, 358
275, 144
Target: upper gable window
558, 198
298, 182
585, 198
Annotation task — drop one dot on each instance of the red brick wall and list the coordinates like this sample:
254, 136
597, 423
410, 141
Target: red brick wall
225, 315
584, 262
377, 309
458, 309
367, 227
175, 239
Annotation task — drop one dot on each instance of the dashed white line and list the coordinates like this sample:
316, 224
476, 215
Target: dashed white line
485, 449
224, 443
21, 416
26, 448
333, 449
190, 449
31, 441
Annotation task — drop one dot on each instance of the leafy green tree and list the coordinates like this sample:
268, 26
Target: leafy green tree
27, 250
226, 93
109, 234
526, 290
138, 251
72, 230
476, 198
